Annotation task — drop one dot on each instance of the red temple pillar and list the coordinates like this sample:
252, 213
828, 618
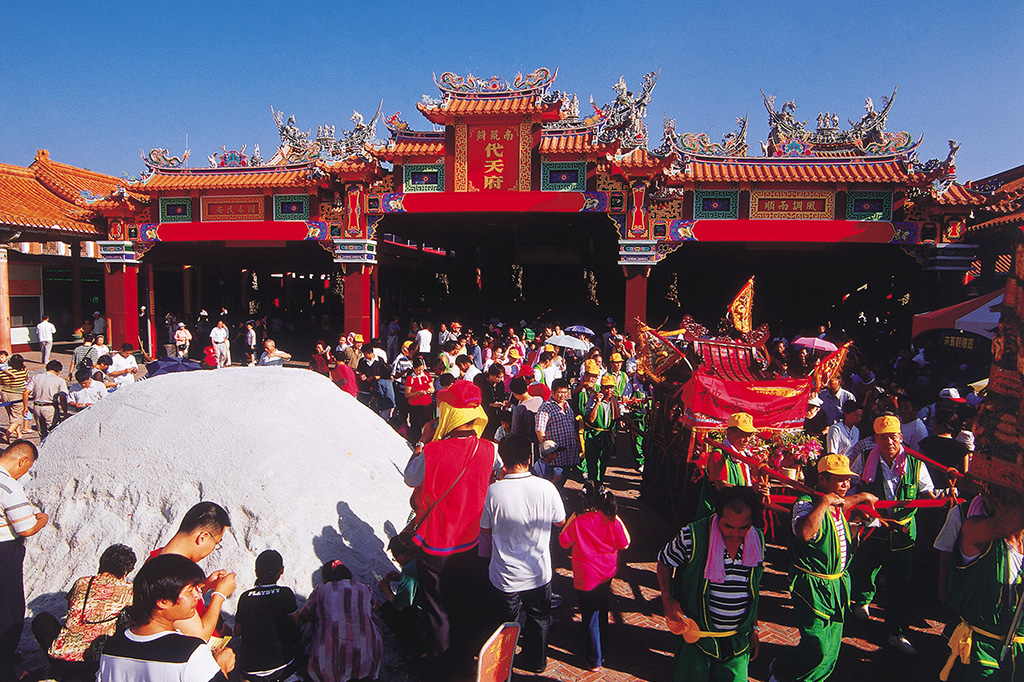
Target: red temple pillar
636, 297
121, 285
361, 314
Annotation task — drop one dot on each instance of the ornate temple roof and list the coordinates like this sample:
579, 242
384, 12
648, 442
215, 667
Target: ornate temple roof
470, 96
959, 195
45, 196
759, 169
571, 141
284, 177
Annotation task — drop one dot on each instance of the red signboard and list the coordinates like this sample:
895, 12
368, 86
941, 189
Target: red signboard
801, 204
492, 157
495, 663
780, 404
232, 208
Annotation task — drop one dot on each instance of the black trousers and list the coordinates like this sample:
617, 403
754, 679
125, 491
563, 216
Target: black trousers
12, 605
450, 596
535, 605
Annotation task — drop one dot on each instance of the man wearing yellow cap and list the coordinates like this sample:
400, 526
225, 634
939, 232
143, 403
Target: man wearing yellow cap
601, 418
723, 471
615, 371
581, 396
888, 473
819, 583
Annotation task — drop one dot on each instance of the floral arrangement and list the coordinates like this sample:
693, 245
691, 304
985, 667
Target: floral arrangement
781, 449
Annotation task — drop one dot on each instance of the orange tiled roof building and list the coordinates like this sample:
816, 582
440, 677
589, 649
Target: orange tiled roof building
512, 148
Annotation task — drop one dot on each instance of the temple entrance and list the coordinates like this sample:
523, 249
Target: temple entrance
865, 289
513, 266
295, 285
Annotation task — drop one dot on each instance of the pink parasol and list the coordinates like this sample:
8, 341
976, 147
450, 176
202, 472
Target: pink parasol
814, 343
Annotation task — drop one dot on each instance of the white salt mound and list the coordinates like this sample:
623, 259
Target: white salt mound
301, 467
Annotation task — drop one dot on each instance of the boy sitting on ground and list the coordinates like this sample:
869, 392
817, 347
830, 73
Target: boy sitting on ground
400, 613
166, 591
267, 622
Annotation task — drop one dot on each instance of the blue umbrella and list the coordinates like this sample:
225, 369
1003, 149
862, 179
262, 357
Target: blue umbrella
169, 364
580, 329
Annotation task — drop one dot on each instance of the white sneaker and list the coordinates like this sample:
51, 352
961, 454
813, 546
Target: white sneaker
903, 645
861, 612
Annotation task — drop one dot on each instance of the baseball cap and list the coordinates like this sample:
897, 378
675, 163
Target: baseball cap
742, 421
615, 358
815, 401
887, 424
462, 394
547, 447
952, 394
590, 367
838, 465
607, 380
407, 345
513, 353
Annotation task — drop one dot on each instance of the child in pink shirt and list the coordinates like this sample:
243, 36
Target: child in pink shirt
595, 537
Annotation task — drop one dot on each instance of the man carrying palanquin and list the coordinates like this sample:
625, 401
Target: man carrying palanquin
710, 578
723, 470
819, 582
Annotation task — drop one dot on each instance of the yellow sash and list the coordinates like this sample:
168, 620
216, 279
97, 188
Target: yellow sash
960, 646
823, 576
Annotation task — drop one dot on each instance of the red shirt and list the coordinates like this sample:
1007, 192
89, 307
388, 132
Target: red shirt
343, 375
420, 382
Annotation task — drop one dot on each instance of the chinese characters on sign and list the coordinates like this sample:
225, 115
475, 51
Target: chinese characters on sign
792, 204
233, 208
493, 157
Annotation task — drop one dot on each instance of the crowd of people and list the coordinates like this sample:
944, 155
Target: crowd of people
498, 423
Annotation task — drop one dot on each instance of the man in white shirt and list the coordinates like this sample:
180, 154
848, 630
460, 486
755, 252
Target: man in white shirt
19, 520
45, 331
87, 391
272, 356
467, 370
518, 514
843, 435
99, 323
219, 338
424, 337
123, 366
913, 428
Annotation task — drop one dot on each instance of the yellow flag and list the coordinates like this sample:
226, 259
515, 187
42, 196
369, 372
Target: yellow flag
741, 308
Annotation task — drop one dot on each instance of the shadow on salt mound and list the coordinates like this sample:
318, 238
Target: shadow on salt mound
300, 465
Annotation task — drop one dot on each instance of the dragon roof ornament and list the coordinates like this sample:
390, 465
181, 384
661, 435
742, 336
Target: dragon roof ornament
297, 146
733, 144
623, 119
535, 82
158, 158
866, 137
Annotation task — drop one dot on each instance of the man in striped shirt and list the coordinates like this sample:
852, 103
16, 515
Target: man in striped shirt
20, 521
710, 573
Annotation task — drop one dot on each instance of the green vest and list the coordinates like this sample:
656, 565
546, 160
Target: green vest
579, 402
708, 493
827, 598
905, 491
690, 589
979, 592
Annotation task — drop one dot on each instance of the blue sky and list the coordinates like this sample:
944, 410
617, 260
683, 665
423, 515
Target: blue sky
96, 82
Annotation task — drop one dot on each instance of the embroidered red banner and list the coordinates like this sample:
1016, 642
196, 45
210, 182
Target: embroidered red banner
709, 401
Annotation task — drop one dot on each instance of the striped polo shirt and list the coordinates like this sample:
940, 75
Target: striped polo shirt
728, 602
19, 514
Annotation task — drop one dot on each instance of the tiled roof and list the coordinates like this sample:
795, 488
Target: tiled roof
504, 105
958, 195
25, 202
1002, 221
221, 178
85, 188
569, 143
759, 169
411, 147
